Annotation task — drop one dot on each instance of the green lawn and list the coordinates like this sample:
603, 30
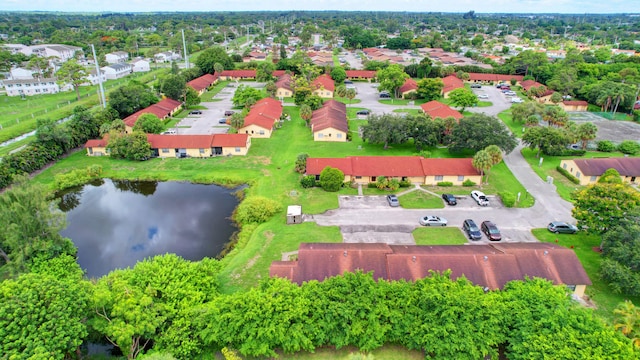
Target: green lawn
347, 101
516, 128
416, 102
420, 200
409, 111
583, 245
449, 235
388, 352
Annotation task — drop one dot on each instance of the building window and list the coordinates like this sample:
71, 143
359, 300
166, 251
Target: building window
358, 177
237, 149
578, 174
165, 151
571, 288
317, 177
261, 132
373, 178
320, 135
564, 166
439, 177
460, 177
593, 178
339, 136
201, 151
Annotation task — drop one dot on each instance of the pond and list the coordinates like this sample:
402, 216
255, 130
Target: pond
116, 223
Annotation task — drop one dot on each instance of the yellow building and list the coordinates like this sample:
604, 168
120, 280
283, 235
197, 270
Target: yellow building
323, 86
97, 147
329, 123
588, 171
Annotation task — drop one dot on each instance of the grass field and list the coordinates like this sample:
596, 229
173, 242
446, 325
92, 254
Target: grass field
583, 244
449, 235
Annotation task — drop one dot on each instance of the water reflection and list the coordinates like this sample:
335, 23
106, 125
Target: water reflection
117, 223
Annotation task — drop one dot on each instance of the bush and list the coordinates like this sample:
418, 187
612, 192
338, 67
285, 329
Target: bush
606, 146
76, 177
508, 198
381, 182
405, 183
331, 179
372, 185
301, 163
564, 172
445, 183
629, 147
256, 209
308, 181
393, 184
621, 278
425, 154
468, 183
636, 115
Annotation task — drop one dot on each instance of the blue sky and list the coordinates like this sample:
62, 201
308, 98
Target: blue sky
479, 6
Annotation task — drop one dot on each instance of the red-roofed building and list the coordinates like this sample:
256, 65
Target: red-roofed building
574, 105
451, 83
494, 78
408, 87
436, 109
162, 109
323, 86
203, 82
181, 146
588, 171
262, 118
361, 75
284, 86
417, 170
543, 97
490, 266
278, 73
238, 75
329, 123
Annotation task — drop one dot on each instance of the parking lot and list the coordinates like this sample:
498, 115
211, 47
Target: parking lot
612, 130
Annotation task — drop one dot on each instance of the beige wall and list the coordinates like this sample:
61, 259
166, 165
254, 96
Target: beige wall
282, 92
573, 107
323, 93
404, 94
190, 153
97, 151
579, 291
573, 169
330, 134
431, 179
254, 131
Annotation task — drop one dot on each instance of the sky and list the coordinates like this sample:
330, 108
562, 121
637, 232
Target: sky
479, 6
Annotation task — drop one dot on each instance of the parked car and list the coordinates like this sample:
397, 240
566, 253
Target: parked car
385, 96
516, 100
363, 112
471, 229
222, 121
501, 85
562, 227
393, 200
449, 199
480, 198
504, 87
432, 220
348, 82
229, 113
195, 112
510, 93
476, 86
483, 96
491, 230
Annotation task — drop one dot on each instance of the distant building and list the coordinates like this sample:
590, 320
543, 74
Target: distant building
409, 86
117, 71
262, 118
451, 83
141, 65
323, 86
20, 74
30, 87
436, 109
588, 171
329, 123
62, 52
167, 56
117, 57
92, 77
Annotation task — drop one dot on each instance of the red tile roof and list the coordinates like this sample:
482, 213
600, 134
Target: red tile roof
575, 103
278, 73
395, 166
179, 141
626, 166
409, 85
239, 73
323, 81
451, 82
365, 74
528, 84
494, 77
162, 109
284, 82
202, 82
97, 143
264, 113
436, 109
229, 140
489, 266
332, 114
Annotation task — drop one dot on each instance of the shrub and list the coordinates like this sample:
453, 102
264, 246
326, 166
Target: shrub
508, 198
445, 183
425, 154
76, 177
331, 179
468, 183
372, 185
256, 209
629, 147
405, 183
568, 175
636, 115
393, 184
308, 181
301, 163
381, 182
606, 146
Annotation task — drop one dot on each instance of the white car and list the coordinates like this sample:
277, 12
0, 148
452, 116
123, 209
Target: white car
516, 100
483, 96
480, 198
432, 220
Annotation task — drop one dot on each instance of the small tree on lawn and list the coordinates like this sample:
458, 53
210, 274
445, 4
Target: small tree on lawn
482, 162
331, 179
495, 153
149, 124
301, 163
350, 94
237, 121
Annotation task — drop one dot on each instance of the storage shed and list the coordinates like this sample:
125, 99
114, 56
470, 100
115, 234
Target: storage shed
294, 214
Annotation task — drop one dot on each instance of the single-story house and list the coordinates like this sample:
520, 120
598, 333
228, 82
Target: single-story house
329, 123
588, 171
162, 109
544, 97
180, 146
141, 65
408, 87
493, 79
323, 86
262, 118
238, 75
202, 83
490, 266
93, 78
451, 83
116, 57
284, 86
415, 169
436, 109
574, 105
368, 75
117, 71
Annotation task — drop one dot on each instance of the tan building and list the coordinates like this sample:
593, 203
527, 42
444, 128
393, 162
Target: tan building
489, 266
409, 86
367, 75
436, 109
574, 105
202, 83
588, 171
451, 83
323, 86
162, 109
414, 169
262, 117
97, 147
284, 86
238, 75
493, 79
329, 123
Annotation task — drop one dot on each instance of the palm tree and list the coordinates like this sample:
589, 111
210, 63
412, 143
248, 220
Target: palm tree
481, 162
586, 132
341, 91
306, 113
628, 321
495, 154
351, 93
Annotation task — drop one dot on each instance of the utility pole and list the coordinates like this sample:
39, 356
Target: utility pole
184, 47
103, 101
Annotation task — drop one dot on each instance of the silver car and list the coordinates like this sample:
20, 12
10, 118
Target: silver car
432, 220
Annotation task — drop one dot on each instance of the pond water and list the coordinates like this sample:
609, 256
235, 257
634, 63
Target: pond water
116, 223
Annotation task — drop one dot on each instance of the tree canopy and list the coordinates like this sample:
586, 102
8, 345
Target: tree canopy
211, 56
478, 131
130, 98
